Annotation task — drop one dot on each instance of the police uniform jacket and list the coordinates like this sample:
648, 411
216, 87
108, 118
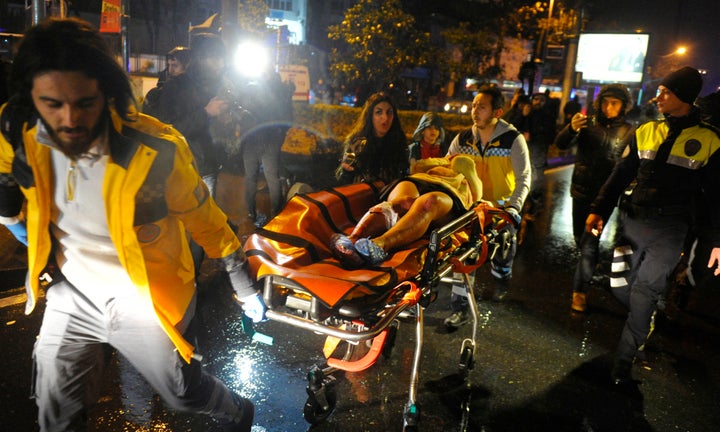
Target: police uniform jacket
672, 162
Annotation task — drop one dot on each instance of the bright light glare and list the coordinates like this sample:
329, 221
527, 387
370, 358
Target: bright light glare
681, 50
251, 59
244, 367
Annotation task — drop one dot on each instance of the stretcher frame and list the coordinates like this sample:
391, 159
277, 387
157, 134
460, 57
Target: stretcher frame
484, 235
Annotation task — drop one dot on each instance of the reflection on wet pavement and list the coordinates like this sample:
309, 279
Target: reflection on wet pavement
538, 366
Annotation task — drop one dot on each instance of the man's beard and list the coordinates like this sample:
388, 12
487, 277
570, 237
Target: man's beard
74, 148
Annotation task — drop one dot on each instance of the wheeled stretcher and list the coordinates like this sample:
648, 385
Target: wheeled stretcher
304, 286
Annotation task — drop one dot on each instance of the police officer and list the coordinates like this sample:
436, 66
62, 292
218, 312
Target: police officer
670, 160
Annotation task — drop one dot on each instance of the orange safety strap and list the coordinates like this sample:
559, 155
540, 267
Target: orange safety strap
365, 362
481, 210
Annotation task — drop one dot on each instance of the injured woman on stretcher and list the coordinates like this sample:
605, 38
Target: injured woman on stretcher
437, 191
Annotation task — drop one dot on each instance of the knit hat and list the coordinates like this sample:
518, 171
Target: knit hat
685, 83
429, 119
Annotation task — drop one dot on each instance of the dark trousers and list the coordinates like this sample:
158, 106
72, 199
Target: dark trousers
538, 161
588, 245
657, 244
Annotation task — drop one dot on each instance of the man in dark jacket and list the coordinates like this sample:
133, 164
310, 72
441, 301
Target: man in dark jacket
600, 142
670, 161
541, 132
190, 99
269, 102
177, 59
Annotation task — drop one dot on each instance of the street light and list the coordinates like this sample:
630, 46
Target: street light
665, 64
542, 39
537, 61
680, 51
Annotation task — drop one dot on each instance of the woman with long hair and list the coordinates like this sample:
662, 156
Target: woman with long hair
376, 148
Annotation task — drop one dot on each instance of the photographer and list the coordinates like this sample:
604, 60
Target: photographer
600, 141
189, 101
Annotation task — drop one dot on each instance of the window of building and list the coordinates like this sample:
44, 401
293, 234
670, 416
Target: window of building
284, 5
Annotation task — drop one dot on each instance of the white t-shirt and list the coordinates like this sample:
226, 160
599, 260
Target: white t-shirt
84, 251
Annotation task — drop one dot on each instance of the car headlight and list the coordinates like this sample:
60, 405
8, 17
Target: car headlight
447, 107
464, 109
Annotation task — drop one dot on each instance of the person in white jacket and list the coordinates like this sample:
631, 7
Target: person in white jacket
503, 164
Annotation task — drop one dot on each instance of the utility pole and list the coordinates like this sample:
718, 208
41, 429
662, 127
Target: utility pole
570, 59
541, 46
124, 36
38, 11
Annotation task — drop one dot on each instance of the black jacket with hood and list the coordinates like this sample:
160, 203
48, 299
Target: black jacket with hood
599, 147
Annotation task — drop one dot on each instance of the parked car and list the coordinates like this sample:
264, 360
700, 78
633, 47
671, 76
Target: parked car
458, 106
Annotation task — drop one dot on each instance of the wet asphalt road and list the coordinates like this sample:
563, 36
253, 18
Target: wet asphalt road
539, 367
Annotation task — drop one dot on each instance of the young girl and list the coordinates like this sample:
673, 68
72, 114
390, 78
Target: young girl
428, 139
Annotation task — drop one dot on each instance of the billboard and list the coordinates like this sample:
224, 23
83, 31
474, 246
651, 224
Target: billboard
612, 57
300, 77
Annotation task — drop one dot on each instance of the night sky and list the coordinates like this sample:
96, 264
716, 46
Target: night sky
671, 23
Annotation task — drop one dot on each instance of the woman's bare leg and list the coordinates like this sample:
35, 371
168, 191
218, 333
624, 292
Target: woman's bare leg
383, 216
426, 209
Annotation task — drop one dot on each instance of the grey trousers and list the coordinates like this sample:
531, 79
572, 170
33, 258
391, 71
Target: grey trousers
69, 360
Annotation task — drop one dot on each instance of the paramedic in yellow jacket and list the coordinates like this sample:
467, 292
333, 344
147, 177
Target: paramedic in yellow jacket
109, 196
503, 166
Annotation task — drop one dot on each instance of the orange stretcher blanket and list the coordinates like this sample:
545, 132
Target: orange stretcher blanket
294, 244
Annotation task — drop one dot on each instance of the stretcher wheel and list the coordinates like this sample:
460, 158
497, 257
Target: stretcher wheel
322, 396
314, 413
411, 414
467, 362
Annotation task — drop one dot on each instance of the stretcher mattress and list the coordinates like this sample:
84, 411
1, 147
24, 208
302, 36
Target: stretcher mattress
294, 245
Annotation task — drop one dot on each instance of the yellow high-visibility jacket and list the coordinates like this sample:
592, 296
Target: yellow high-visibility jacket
152, 194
